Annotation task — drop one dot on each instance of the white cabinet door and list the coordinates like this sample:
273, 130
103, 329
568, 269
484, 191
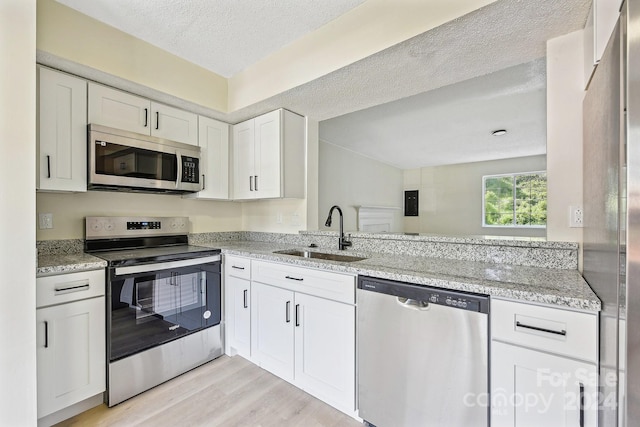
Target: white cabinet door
120, 110
268, 155
325, 350
174, 124
238, 315
213, 139
244, 160
70, 353
62, 132
272, 329
533, 389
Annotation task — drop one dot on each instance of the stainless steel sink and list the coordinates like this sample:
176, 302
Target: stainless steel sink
320, 255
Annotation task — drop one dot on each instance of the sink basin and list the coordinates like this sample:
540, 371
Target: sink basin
320, 255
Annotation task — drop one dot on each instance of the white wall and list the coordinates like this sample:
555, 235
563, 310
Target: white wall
349, 179
565, 77
450, 197
69, 211
17, 210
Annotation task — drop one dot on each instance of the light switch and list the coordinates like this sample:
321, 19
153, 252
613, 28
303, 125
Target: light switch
45, 220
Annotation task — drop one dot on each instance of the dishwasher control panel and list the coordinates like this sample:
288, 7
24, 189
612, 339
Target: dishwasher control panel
427, 294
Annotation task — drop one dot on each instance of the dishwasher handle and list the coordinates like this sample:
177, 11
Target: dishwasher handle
412, 304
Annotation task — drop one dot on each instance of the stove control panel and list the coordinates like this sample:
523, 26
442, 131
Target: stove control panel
144, 225
101, 227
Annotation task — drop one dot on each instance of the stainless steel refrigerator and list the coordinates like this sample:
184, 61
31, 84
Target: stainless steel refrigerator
611, 158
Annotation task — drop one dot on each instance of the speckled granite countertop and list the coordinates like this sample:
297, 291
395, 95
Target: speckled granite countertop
67, 263
564, 288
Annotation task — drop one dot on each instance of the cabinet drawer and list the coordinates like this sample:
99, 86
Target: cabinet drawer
69, 287
548, 329
237, 267
324, 284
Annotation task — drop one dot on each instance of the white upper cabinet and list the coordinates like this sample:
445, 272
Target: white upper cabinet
243, 160
174, 124
269, 157
213, 140
597, 32
62, 132
121, 110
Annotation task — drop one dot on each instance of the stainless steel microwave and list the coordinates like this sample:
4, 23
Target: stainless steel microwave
127, 161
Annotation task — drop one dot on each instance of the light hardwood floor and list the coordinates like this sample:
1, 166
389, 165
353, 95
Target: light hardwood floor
229, 391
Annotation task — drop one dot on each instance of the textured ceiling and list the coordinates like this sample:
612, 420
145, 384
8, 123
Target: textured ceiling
224, 36
495, 37
452, 124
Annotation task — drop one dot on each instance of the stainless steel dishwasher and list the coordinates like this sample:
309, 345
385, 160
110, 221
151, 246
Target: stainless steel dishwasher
422, 355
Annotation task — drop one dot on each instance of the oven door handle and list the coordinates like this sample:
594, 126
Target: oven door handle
149, 268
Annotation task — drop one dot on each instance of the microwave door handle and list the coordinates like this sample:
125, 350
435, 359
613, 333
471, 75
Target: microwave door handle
179, 171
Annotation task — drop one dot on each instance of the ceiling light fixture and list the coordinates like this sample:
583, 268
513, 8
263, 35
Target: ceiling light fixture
499, 132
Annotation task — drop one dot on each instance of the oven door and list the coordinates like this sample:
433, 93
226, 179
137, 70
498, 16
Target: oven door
152, 304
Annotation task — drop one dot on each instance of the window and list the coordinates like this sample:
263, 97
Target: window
515, 200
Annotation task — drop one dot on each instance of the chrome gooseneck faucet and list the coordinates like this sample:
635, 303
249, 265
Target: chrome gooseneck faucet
342, 242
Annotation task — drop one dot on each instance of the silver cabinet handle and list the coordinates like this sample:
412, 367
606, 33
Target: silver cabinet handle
157, 120
256, 181
535, 328
298, 279
287, 306
237, 268
146, 117
203, 187
246, 305
251, 183
297, 314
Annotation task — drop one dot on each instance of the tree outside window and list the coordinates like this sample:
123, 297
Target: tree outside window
515, 200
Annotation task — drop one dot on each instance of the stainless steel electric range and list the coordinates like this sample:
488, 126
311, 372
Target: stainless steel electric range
163, 301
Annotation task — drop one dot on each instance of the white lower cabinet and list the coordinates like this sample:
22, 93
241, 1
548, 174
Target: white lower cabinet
531, 388
543, 366
272, 329
237, 306
306, 339
325, 350
70, 339
238, 298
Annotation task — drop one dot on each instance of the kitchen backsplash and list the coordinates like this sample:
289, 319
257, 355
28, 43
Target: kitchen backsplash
533, 253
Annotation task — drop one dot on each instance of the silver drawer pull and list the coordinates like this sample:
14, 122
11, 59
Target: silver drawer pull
535, 328
299, 279
67, 288
237, 268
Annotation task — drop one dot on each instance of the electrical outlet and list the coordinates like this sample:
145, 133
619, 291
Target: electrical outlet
45, 220
295, 219
576, 217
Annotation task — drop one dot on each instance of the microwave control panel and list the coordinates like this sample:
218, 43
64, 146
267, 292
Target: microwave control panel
190, 170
